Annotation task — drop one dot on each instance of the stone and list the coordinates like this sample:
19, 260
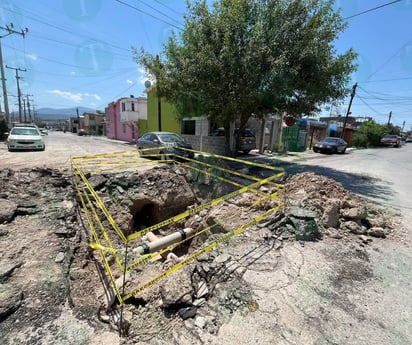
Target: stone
365, 239
187, 313
177, 289
8, 209
330, 217
200, 322
354, 213
59, 258
354, 227
377, 232
304, 223
10, 302
334, 233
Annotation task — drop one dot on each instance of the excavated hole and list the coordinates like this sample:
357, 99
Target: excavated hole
145, 213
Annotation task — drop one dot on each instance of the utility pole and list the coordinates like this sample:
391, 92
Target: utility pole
352, 95
390, 116
24, 110
18, 87
10, 31
28, 107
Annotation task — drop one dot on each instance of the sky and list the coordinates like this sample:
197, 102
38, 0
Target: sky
79, 52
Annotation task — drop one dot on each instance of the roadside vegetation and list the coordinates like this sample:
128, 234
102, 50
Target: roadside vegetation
370, 133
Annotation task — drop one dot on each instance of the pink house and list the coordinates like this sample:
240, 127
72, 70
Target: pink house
123, 116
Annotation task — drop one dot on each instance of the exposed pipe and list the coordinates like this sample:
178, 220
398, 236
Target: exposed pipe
156, 243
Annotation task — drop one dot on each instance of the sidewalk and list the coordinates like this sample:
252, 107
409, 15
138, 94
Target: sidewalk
295, 156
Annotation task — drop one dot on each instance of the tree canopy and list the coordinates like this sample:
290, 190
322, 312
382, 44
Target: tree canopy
236, 58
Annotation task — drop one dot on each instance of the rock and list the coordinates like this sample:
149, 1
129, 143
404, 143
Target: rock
365, 239
59, 258
330, 217
354, 227
334, 233
304, 223
177, 288
354, 213
10, 301
187, 313
8, 209
97, 181
200, 322
377, 232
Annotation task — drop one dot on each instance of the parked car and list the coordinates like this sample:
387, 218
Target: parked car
82, 132
409, 139
391, 140
164, 144
44, 131
330, 145
247, 139
25, 138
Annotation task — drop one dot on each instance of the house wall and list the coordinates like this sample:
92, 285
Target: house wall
169, 121
125, 130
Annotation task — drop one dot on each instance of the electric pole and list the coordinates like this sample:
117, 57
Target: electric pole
10, 31
28, 107
18, 87
390, 116
352, 95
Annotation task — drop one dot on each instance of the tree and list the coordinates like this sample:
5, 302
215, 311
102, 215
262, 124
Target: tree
369, 133
244, 57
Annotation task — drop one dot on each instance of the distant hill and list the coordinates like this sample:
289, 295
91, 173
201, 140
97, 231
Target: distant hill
60, 114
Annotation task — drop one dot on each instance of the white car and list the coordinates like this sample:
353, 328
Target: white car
25, 138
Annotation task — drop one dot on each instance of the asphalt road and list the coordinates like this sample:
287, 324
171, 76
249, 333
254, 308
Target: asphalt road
60, 147
382, 175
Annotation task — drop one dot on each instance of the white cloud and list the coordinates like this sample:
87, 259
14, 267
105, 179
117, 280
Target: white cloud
75, 97
32, 56
128, 81
73, 73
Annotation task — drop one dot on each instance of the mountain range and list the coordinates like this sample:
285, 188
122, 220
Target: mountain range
61, 114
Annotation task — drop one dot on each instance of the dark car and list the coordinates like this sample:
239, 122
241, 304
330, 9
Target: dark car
247, 140
330, 145
166, 145
391, 140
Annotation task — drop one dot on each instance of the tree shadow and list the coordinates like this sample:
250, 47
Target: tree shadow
374, 189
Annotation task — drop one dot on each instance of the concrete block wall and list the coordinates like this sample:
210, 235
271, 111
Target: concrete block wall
205, 143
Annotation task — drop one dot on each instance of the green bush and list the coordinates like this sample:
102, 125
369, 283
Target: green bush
369, 134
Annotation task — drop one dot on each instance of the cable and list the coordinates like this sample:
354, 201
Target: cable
150, 15
158, 11
372, 9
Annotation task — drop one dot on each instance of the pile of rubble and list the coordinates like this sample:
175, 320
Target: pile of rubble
337, 212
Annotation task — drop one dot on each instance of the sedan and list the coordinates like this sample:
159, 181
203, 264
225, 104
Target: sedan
391, 140
330, 145
165, 144
25, 138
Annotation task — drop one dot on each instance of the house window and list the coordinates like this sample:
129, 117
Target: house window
132, 106
91, 117
189, 127
123, 107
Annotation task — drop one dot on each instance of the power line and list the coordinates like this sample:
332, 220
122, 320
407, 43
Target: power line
372, 9
180, 28
158, 11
